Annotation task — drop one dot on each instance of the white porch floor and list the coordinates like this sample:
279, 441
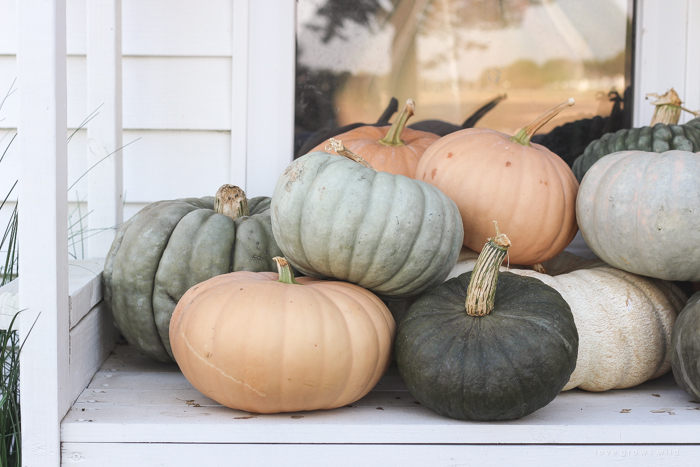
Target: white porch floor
140, 412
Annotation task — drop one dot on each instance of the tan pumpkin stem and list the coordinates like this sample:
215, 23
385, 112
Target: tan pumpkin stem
338, 147
481, 292
231, 201
668, 108
284, 271
539, 267
523, 137
393, 137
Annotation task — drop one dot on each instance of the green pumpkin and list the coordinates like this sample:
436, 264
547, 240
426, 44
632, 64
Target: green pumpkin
659, 138
170, 246
336, 218
506, 353
685, 348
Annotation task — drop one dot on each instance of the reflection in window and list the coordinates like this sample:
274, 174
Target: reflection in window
451, 56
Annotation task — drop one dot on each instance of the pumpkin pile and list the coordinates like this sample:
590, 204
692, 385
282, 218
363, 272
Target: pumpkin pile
387, 219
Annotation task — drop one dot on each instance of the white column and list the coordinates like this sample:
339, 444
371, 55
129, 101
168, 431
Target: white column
104, 132
43, 242
667, 54
262, 131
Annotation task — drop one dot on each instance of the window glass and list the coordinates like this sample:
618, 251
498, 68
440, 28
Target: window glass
452, 56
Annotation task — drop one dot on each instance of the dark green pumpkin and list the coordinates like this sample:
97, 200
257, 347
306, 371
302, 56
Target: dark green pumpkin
659, 138
500, 366
170, 246
685, 348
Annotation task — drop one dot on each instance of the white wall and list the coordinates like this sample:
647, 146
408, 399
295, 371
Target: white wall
177, 99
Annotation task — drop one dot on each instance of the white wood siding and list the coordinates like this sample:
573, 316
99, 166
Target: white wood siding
668, 54
177, 99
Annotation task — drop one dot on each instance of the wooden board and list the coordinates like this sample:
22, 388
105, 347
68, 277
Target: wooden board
158, 405
337, 455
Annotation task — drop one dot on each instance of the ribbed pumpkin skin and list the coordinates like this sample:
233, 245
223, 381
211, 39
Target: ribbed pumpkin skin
335, 218
659, 138
252, 343
397, 160
501, 366
168, 247
530, 191
624, 321
685, 348
640, 212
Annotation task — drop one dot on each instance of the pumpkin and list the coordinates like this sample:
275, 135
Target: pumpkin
267, 343
487, 346
442, 128
337, 218
685, 348
662, 135
323, 135
491, 175
169, 246
624, 321
394, 149
638, 211
570, 140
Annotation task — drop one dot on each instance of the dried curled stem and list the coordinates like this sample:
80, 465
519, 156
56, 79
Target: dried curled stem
338, 147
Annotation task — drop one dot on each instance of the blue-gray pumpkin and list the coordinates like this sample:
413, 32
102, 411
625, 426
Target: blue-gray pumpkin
170, 246
685, 348
336, 218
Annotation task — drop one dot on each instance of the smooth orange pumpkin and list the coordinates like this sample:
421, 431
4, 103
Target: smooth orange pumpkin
253, 342
394, 149
492, 176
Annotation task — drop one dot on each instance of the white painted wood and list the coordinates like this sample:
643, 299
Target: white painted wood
661, 52
137, 455
85, 288
177, 28
91, 341
43, 268
239, 93
182, 93
104, 153
155, 27
270, 108
9, 304
160, 406
692, 59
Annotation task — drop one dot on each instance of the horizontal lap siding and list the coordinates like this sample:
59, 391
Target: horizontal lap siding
176, 99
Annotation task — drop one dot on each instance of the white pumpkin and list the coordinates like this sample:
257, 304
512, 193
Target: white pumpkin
624, 321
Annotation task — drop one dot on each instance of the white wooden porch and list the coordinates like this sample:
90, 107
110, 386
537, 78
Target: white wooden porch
84, 406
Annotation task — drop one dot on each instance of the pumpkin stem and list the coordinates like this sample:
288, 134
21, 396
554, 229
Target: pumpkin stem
523, 137
393, 137
481, 291
668, 108
231, 201
338, 147
284, 271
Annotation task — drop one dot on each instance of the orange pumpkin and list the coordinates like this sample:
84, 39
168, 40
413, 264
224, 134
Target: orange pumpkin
394, 149
491, 176
253, 342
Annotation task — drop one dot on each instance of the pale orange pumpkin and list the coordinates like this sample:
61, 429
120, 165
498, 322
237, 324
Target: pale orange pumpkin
394, 149
492, 176
253, 342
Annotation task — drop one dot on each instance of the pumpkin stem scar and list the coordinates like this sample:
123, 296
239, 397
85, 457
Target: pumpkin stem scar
224, 374
285, 272
481, 292
338, 147
231, 201
523, 137
393, 137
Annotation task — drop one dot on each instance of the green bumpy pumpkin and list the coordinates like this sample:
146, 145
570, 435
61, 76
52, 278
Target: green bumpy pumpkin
506, 353
170, 246
659, 138
336, 218
685, 348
